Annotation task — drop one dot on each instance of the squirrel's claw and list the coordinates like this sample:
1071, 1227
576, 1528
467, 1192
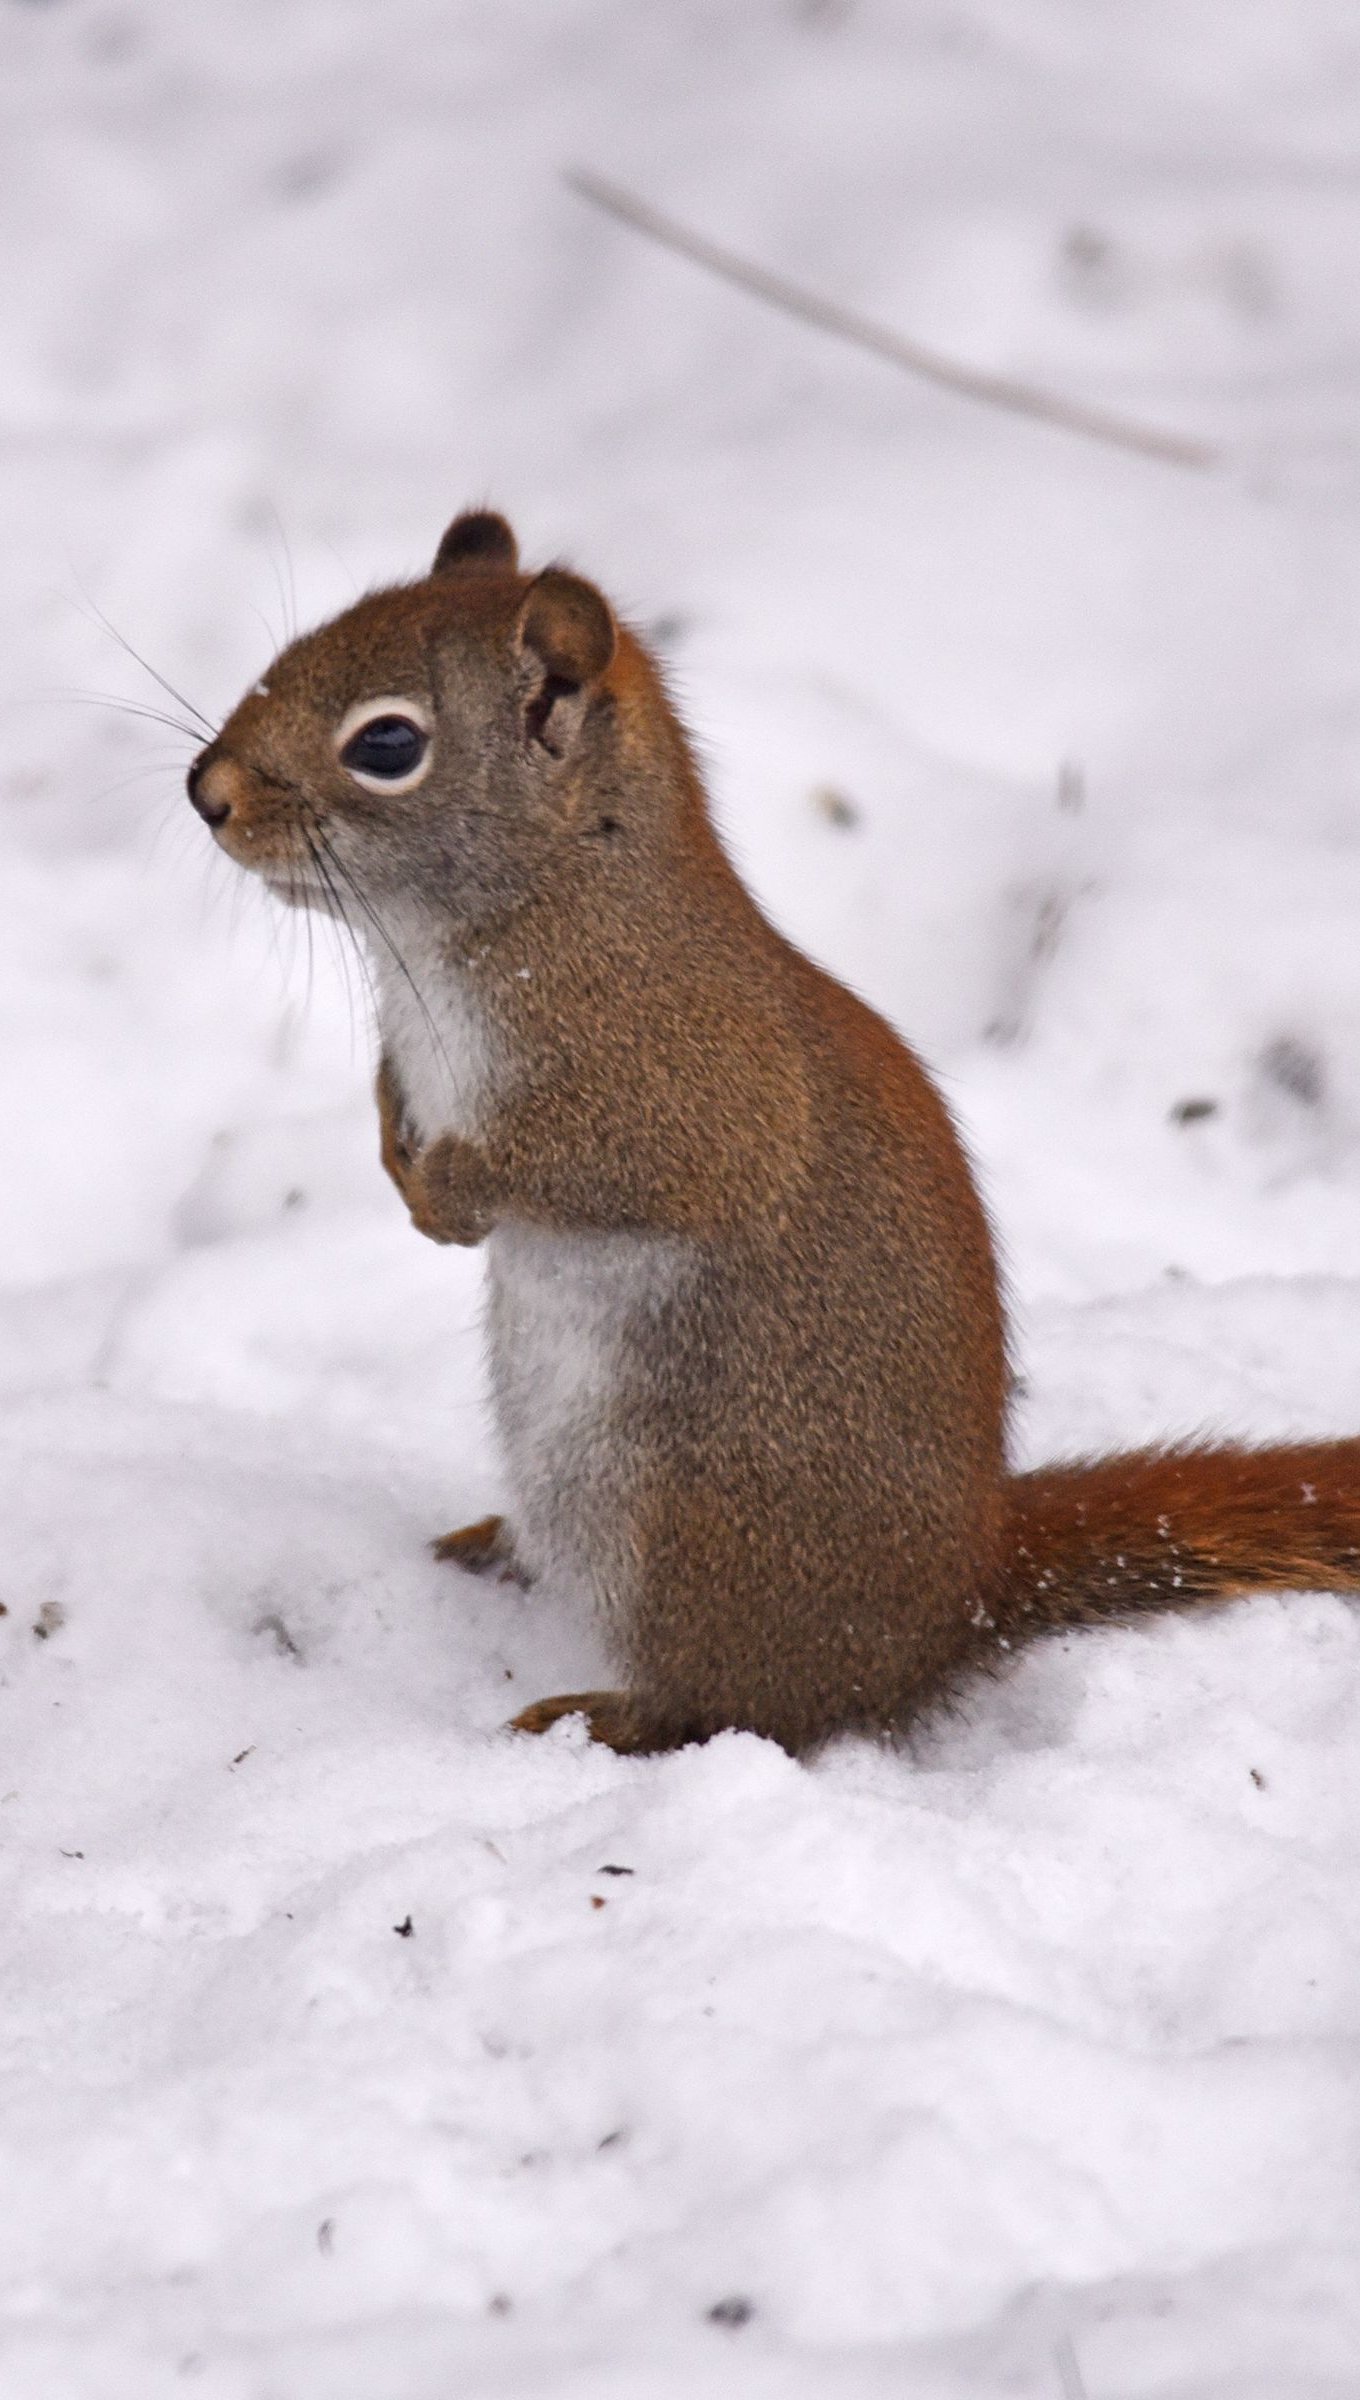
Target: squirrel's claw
485, 1548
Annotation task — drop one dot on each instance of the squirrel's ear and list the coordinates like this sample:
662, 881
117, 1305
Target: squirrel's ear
567, 634
566, 623
478, 542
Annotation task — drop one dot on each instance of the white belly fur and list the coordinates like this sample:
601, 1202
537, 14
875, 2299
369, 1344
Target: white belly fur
562, 1306
562, 1310
433, 1031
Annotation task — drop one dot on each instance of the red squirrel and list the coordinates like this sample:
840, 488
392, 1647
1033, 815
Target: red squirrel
747, 1348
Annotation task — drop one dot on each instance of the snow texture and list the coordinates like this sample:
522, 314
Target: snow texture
353, 2049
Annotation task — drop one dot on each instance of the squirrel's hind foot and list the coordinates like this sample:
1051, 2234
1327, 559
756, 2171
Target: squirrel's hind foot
486, 1548
613, 1718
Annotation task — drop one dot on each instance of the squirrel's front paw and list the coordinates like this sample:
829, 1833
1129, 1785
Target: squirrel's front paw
449, 1192
397, 1142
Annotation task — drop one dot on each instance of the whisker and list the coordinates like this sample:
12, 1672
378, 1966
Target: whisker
276, 919
356, 588
210, 730
355, 949
288, 598
311, 949
347, 951
135, 708
385, 937
123, 783
172, 823
275, 645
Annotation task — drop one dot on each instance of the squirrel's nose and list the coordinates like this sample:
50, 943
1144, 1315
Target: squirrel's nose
208, 784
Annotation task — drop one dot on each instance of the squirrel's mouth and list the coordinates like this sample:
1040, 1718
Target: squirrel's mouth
261, 822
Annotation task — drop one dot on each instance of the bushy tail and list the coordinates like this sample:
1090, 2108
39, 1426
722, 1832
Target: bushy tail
1158, 1529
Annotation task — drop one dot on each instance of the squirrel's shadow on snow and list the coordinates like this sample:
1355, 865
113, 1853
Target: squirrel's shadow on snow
1028, 1702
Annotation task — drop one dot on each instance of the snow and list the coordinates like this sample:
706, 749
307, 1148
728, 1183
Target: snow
1019, 2060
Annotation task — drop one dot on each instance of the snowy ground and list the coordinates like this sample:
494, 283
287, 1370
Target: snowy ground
340, 2061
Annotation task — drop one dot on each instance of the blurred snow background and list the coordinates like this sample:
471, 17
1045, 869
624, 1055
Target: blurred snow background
338, 2057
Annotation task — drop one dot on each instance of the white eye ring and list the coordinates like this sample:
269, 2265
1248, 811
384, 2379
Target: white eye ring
366, 712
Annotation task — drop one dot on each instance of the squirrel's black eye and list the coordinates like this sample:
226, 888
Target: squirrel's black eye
386, 748
385, 742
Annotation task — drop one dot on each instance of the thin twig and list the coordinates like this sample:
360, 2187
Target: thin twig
1001, 391
1069, 2370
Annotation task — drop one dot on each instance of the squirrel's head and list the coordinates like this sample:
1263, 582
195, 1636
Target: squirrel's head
438, 742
